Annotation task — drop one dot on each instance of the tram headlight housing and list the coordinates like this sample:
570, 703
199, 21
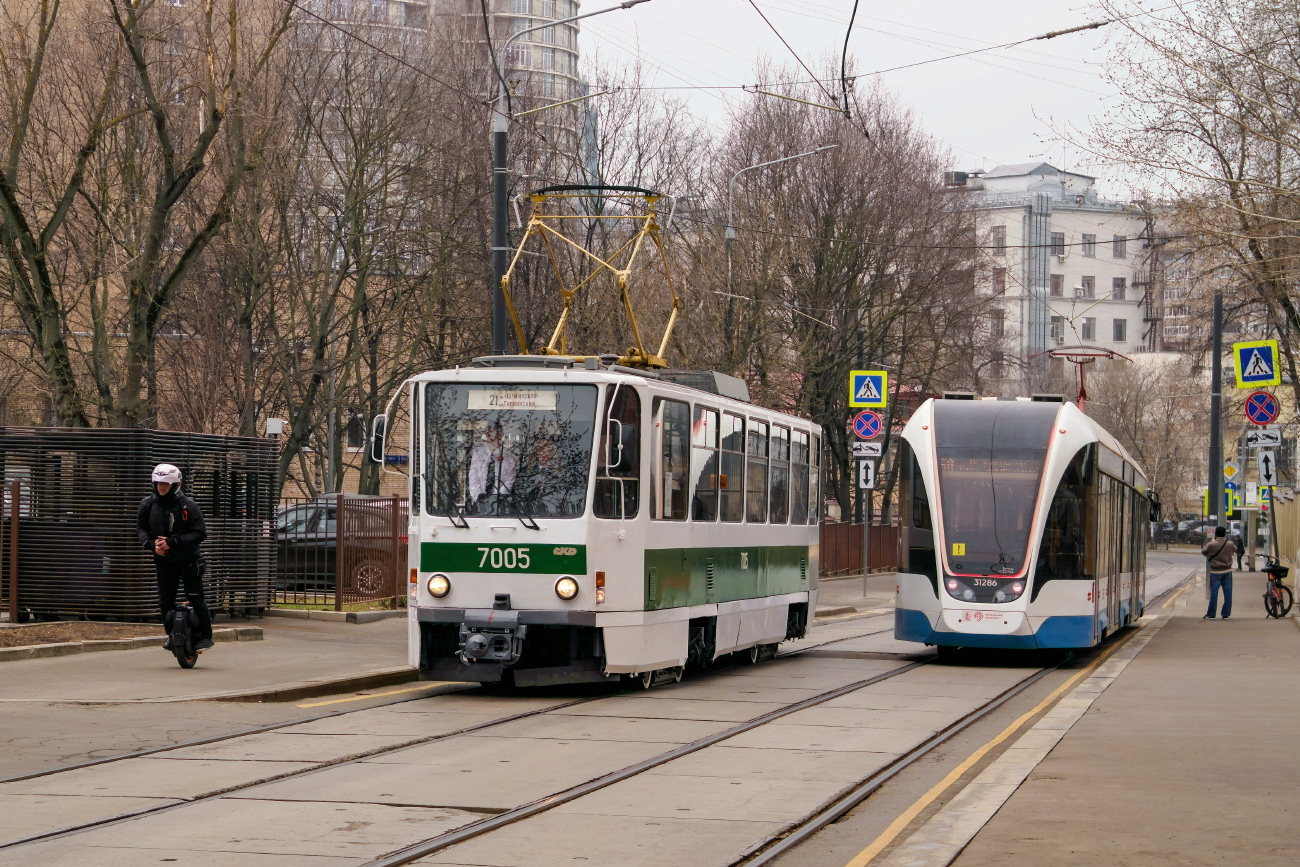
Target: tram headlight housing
566, 588
439, 585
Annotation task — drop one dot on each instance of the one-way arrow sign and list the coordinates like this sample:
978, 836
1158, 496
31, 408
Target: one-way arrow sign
1269, 436
1267, 468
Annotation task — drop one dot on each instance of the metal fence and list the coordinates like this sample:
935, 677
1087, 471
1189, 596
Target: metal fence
67, 521
340, 549
841, 548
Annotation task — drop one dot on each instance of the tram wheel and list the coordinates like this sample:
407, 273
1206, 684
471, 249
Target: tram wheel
647, 679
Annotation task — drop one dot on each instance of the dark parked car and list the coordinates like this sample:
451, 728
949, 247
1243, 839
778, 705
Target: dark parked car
306, 546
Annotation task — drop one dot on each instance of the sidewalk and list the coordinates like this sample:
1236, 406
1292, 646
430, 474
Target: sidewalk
295, 658
1187, 758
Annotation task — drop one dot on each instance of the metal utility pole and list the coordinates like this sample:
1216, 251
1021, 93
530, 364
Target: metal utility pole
501, 117
1215, 481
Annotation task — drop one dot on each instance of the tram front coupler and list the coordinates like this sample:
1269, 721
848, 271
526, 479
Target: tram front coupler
491, 636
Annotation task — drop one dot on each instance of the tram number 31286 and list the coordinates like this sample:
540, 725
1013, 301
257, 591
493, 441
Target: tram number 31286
505, 558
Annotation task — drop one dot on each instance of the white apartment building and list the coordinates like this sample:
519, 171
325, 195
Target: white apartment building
1068, 267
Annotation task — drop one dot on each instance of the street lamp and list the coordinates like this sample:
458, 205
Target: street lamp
731, 228
500, 196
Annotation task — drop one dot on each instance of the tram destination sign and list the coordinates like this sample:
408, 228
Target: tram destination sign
548, 559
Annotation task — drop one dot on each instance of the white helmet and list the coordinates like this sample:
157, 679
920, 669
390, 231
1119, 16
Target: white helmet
167, 473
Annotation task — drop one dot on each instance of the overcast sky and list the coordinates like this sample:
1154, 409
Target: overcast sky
991, 108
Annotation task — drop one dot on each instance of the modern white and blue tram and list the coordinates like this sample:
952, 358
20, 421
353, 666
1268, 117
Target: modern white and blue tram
573, 520
1023, 526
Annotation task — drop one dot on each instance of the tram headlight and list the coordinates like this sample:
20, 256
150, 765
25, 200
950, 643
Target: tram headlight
439, 585
566, 588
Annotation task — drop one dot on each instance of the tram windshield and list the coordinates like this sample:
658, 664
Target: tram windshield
517, 451
990, 456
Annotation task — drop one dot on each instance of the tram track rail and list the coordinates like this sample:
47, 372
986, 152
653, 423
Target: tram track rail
391, 748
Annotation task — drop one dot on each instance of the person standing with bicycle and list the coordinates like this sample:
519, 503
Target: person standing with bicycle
171, 525
1220, 551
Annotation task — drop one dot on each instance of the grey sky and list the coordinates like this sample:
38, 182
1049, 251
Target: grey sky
990, 108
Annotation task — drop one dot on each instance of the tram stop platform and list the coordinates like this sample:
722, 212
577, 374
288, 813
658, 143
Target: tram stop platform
1187, 758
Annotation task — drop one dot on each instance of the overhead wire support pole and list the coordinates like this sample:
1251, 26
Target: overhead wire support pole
1214, 484
501, 117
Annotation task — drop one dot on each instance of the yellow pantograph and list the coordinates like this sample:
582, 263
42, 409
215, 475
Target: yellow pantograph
546, 226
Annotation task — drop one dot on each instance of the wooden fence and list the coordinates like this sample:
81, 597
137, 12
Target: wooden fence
841, 548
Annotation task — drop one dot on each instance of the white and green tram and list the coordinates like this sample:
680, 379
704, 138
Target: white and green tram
574, 521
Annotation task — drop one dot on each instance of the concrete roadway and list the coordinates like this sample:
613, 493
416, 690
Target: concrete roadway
338, 805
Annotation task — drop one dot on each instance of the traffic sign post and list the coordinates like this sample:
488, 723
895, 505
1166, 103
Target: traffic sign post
1257, 363
1262, 408
868, 388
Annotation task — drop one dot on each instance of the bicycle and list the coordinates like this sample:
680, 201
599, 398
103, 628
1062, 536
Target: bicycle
1277, 596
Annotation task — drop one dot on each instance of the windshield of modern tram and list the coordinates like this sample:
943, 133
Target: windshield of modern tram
991, 457
517, 451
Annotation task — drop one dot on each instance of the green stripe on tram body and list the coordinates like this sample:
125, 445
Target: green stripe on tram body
677, 577
521, 559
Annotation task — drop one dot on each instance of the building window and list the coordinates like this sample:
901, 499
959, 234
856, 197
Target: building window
999, 281
416, 16
1090, 245
1119, 247
548, 8
1119, 289
1089, 286
548, 35
521, 7
1121, 330
1057, 328
1089, 331
1057, 285
999, 240
1058, 243
379, 10
356, 432
995, 366
997, 322
548, 58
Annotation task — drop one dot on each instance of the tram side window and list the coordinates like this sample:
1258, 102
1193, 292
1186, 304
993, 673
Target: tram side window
1066, 551
918, 536
704, 465
779, 472
618, 486
672, 468
799, 477
732, 482
815, 481
756, 473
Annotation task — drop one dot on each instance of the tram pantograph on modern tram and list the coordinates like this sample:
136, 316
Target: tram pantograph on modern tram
1024, 526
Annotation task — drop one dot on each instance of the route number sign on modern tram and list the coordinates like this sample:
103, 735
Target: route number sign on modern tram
1262, 408
1257, 363
868, 388
866, 424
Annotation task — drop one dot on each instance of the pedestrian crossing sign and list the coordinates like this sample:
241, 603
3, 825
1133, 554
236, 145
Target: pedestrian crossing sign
1257, 363
868, 388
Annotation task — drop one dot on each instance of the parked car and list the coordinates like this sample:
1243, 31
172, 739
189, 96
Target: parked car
306, 546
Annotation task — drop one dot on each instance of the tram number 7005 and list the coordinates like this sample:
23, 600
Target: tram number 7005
505, 558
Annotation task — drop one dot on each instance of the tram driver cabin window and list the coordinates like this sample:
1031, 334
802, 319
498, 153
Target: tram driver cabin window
756, 474
704, 465
672, 427
618, 477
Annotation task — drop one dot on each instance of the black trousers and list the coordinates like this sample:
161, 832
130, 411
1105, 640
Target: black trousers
170, 577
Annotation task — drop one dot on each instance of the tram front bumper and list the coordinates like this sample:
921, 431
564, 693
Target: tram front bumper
487, 645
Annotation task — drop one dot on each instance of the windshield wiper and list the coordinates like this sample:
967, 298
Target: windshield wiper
522, 513
458, 513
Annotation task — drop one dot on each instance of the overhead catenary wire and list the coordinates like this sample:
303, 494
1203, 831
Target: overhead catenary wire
793, 53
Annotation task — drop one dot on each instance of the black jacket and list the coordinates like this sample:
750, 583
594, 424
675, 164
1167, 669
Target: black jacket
176, 517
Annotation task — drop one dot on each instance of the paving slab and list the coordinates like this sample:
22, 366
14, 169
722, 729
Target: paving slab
670, 708
853, 717
298, 828
71, 853
777, 736
604, 729
28, 815
723, 690
869, 699
549, 840
384, 722
491, 774
151, 777
668, 796
724, 760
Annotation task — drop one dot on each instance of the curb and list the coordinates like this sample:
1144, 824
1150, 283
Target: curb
831, 612
295, 691
334, 616
45, 651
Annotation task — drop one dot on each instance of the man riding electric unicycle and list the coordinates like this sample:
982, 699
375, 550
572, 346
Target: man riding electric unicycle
171, 525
